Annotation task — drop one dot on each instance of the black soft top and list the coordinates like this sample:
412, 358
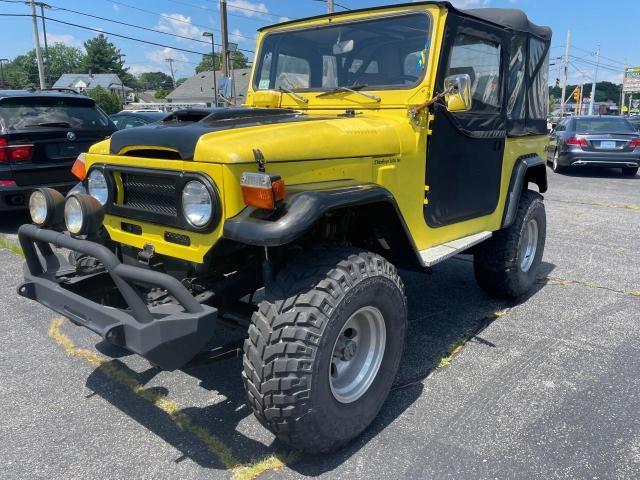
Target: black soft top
510, 18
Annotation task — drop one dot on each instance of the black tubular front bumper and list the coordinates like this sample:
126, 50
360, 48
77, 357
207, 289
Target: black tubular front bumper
168, 335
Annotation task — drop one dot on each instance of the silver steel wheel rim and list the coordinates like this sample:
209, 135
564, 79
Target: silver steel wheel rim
357, 354
529, 245
555, 160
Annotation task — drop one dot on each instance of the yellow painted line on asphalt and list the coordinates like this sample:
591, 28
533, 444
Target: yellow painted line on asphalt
12, 247
214, 444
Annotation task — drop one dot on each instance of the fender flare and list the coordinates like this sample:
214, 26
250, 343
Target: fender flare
529, 168
303, 206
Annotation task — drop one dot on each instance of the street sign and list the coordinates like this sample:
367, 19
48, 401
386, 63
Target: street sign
631, 80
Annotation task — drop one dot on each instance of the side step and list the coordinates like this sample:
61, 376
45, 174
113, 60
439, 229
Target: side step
434, 255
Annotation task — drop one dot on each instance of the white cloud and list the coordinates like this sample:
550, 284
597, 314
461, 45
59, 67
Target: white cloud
138, 68
160, 56
248, 8
178, 24
236, 36
67, 39
116, 8
469, 3
283, 19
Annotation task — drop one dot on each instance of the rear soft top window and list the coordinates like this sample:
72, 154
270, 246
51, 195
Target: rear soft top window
603, 125
21, 113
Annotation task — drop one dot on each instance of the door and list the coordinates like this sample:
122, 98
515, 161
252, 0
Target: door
465, 150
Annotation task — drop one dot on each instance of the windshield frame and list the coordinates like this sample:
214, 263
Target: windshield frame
368, 19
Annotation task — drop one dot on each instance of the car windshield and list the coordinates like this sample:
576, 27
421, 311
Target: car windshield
385, 52
53, 112
603, 125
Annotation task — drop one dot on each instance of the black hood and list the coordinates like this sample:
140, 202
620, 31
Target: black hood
181, 133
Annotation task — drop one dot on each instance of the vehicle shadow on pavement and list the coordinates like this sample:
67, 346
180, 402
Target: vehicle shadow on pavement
597, 172
446, 309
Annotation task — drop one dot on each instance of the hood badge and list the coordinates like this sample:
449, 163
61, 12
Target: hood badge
259, 158
71, 136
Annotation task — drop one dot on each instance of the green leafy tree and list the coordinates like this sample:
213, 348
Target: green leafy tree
22, 71
155, 81
605, 91
107, 101
238, 58
180, 81
103, 57
162, 93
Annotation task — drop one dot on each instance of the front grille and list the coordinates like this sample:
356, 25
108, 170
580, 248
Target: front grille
150, 193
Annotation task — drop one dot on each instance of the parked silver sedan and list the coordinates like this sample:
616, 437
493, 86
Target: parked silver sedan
601, 141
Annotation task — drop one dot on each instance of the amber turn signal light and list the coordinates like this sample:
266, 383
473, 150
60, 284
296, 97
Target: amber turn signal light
262, 190
79, 168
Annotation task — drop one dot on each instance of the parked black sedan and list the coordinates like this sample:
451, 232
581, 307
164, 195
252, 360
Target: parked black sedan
601, 141
126, 119
41, 135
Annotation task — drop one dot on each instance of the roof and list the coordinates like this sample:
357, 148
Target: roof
200, 86
505, 17
39, 93
104, 80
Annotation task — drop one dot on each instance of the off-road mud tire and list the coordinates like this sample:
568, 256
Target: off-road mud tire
287, 356
497, 261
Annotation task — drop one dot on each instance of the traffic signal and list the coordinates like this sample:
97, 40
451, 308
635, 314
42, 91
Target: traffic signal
557, 82
576, 94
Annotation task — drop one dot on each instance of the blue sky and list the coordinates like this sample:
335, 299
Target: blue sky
589, 26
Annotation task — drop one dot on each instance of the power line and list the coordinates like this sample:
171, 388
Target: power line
230, 6
335, 3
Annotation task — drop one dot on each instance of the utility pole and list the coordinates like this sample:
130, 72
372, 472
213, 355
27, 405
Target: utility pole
225, 38
566, 72
595, 79
2, 60
173, 77
36, 39
329, 6
44, 33
124, 95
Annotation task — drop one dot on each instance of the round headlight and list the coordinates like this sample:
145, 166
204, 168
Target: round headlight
38, 207
97, 186
45, 207
73, 216
83, 214
197, 204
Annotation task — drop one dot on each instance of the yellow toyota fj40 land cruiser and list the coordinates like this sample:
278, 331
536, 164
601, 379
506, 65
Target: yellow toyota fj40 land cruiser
371, 139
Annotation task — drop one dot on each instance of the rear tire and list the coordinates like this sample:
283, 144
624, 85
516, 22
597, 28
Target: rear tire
629, 171
296, 367
507, 264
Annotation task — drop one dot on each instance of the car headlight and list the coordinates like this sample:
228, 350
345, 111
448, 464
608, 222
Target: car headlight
97, 186
83, 214
197, 204
45, 207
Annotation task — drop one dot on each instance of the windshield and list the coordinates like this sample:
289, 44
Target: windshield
387, 52
603, 125
20, 113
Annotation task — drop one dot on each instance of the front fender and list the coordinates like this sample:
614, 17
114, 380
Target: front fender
527, 169
300, 210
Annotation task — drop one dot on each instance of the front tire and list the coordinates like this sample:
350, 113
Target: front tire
507, 264
324, 349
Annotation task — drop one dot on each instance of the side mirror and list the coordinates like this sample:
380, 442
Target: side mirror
458, 92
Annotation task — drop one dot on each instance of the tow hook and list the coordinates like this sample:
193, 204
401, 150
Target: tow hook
146, 254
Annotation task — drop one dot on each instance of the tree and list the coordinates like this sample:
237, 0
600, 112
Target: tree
238, 59
155, 81
162, 93
105, 100
22, 71
180, 81
605, 91
103, 57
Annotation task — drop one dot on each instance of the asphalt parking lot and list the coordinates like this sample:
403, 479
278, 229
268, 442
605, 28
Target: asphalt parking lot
545, 388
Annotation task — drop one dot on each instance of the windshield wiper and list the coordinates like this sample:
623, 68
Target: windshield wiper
351, 89
297, 96
50, 124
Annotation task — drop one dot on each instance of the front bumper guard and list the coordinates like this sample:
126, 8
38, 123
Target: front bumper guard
168, 335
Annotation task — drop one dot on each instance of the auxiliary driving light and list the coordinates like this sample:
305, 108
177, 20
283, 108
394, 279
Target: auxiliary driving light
46, 207
83, 214
262, 190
